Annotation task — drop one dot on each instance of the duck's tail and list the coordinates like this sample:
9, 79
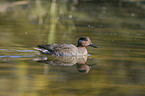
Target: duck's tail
42, 51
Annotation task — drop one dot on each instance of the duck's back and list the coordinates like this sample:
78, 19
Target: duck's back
59, 49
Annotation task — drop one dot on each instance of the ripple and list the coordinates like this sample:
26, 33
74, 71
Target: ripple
25, 50
16, 56
4, 49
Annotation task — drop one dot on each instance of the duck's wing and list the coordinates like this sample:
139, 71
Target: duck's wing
58, 49
65, 49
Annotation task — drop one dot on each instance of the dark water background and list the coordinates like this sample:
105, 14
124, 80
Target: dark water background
116, 68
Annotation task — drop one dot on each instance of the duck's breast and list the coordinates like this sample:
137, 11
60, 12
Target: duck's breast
82, 51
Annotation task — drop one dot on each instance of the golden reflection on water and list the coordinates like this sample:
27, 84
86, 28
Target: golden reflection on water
117, 66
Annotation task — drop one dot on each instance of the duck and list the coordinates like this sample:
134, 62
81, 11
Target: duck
67, 49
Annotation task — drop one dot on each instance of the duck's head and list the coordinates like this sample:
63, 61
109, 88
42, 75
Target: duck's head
85, 41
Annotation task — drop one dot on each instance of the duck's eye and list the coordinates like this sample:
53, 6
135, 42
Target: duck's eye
83, 39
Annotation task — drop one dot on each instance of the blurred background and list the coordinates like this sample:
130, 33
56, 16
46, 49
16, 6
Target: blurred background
117, 27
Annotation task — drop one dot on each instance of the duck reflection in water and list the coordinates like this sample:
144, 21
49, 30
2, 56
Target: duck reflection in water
83, 68
67, 61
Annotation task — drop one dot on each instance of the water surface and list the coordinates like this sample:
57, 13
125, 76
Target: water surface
116, 68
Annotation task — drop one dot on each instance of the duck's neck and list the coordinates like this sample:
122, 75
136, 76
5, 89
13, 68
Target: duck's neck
80, 46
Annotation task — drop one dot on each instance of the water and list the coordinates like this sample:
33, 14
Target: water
116, 68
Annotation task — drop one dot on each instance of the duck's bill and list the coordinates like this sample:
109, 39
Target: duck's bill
93, 45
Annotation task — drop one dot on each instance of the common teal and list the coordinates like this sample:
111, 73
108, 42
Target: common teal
67, 49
